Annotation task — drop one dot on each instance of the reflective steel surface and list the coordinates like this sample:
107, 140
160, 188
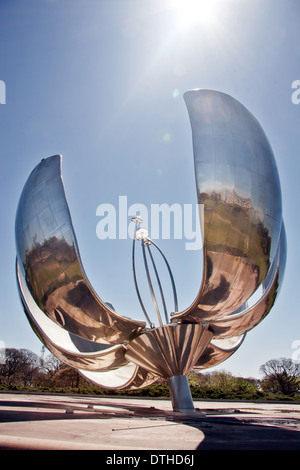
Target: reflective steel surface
244, 252
170, 350
238, 184
218, 351
68, 348
49, 258
240, 323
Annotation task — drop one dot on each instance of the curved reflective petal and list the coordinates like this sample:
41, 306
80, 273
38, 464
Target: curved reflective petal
238, 184
243, 322
218, 351
62, 344
129, 377
49, 258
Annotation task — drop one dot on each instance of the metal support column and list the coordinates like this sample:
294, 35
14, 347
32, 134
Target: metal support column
181, 396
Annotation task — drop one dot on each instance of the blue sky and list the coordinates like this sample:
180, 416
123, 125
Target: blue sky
101, 82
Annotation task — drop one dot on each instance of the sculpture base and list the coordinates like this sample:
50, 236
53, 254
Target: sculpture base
181, 396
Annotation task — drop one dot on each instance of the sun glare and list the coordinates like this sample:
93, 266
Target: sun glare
193, 12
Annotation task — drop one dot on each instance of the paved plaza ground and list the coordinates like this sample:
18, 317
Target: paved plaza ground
64, 422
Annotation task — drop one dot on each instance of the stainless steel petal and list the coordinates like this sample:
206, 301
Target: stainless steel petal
129, 377
218, 351
238, 184
105, 365
65, 346
48, 254
169, 350
240, 323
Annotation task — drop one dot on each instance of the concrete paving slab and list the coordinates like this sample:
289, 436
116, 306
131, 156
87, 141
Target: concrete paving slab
63, 422
115, 434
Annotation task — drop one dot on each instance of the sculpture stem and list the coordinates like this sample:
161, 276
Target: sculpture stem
181, 396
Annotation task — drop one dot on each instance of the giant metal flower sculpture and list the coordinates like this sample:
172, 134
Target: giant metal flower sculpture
244, 247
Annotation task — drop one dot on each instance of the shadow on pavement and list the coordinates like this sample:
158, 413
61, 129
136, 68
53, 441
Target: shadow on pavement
234, 434
221, 432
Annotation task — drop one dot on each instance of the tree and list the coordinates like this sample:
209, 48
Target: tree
221, 379
281, 376
20, 367
222, 384
51, 365
67, 376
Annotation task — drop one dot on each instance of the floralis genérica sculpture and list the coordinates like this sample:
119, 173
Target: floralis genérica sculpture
244, 252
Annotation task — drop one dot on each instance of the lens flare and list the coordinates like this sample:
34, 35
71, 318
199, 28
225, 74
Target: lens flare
193, 12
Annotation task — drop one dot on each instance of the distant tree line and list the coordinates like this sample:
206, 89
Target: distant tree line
21, 369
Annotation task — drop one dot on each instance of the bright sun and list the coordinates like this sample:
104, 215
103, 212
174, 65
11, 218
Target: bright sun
193, 12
